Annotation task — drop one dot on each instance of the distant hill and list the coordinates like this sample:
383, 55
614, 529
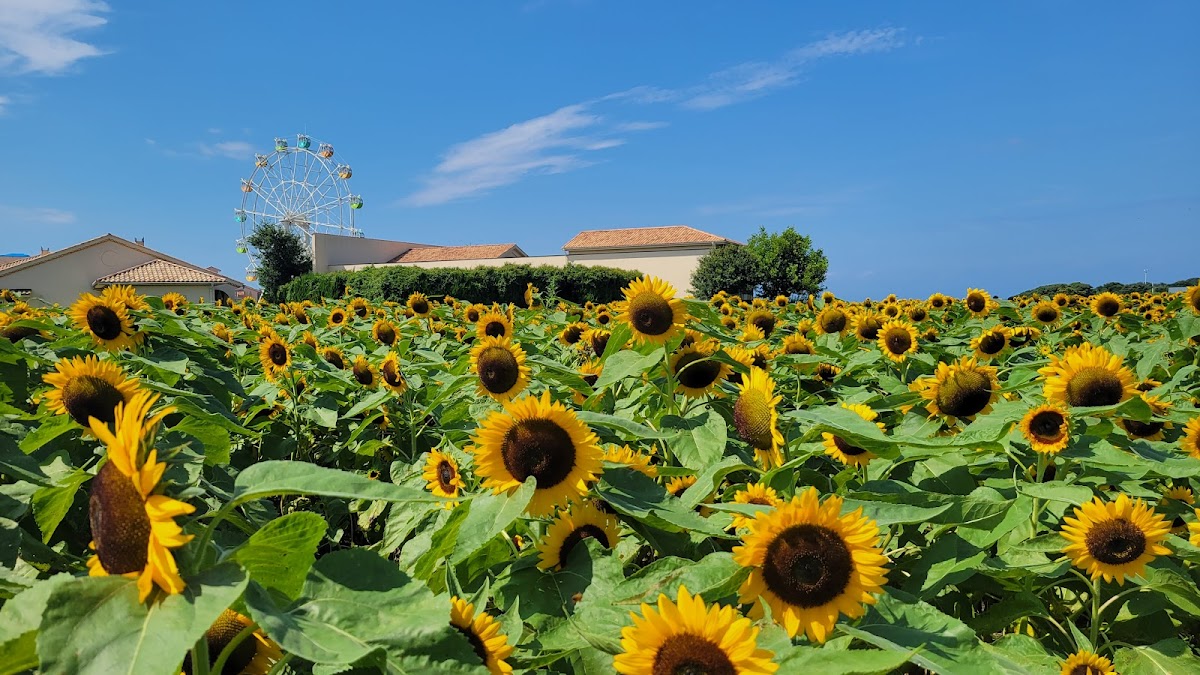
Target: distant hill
1080, 288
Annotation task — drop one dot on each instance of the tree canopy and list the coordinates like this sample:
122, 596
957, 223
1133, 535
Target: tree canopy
282, 256
770, 264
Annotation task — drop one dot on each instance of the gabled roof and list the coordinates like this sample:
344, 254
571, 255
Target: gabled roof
642, 237
25, 263
14, 260
160, 271
471, 252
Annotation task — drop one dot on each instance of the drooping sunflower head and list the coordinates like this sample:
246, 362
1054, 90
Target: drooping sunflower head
797, 343
751, 333
391, 375
483, 632
978, 302
1114, 539
960, 390
1107, 305
1046, 313
844, 451
494, 323
756, 417
1022, 335
867, 325
534, 437
364, 373
1087, 375
334, 357
359, 307
637, 461
499, 363
685, 637
696, 371
652, 311
991, 342
917, 313
597, 340
1191, 298
419, 304
255, 655
275, 356
1151, 430
86, 388
175, 302
897, 339
811, 563
763, 319
581, 521
832, 320
441, 475
106, 320
1084, 662
384, 332
1047, 428
572, 333
126, 295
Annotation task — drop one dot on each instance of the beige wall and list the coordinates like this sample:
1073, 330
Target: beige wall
673, 265
335, 252
555, 260
64, 278
193, 292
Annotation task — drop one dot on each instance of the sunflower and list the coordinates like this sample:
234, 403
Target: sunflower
686, 636
635, 460
419, 304
1022, 335
1114, 539
978, 302
334, 357
494, 324
1194, 529
1046, 313
763, 319
107, 321
679, 484
991, 342
597, 340
897, 339
483, 632
809, 563
1152, 430
1061, 299
938, 301
797, 343
751, 333
1084, 662
755, 493
364, 373
175, 302
255, 655
1047, 428
740, 355
472, 313
1106, 305
390, 374
1190, 441
867, 326
570, 528
1191, 298
572, 333
695, 371
530, 292
359, 307
442, 477
603, 317
337, 317
961, 390
384, 332
126, 295
132, 528
539, 438
843, 451
86, 387
275, 356
756, 418
832, 320
651, 310
1087, 375
500, 366
827, 372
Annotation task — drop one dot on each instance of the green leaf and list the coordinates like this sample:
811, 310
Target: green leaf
214, 439
279, 555
50, 429
633, 494
268, 479
699, 440
1168, 657
96, 624
50, 504
17, 464
618, 338
625, 364
489, 515
847, 662
19, 620
948, 561
847, 425
632, 429
1057, 491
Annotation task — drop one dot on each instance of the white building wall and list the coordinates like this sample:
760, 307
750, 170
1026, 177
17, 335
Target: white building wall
554, 260
64, 278
193, 292
673, 265
334, 252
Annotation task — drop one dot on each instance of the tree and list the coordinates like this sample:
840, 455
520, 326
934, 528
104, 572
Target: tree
282, 256
787, 263
725, 268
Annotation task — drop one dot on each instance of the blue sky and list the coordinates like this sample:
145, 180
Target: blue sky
924, 146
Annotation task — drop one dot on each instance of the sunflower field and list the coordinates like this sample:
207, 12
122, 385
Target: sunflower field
658, 486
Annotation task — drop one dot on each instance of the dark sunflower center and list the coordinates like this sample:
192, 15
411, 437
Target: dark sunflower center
1047, 314
826, 372
799, 348
391, 374
104, 322
498, 370
694, 372
846, 448
572, 334
937, 303
476, 643
14, 333
752, 417
976, 303
363, 374
1093, 386
898, 341
833, 321
578, 535
590, 378
685, 654
278, 354
473, 315
992, 343
603, 319
120, 526
964, 393
446, 474
538, 448
1115, 542
386, 334
335, 360
360, 311
90, 396
765, 322
495, 329
807, 565
599, 342
222, 632
1047, 424
337, 317
869, 328
1143, 429
1108, 307
1195, 301
420, 306
651, 314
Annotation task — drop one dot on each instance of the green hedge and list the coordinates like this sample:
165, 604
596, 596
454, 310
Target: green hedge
577, 283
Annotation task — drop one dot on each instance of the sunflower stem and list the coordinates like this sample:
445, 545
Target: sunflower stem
200, 656
1095, 627
219, 666
279, 665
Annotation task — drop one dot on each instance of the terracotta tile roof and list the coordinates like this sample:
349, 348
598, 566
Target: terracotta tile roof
12, 261
161, 272
638, 237
472, 252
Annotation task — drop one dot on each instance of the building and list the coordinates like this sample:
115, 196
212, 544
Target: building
670, 252
61, 276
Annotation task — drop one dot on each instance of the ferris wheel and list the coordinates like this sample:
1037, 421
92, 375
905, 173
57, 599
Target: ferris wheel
302, 188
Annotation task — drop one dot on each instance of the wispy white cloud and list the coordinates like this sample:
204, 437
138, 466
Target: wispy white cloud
227, 149
4, 103
36, 36
26, 215
787, 206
